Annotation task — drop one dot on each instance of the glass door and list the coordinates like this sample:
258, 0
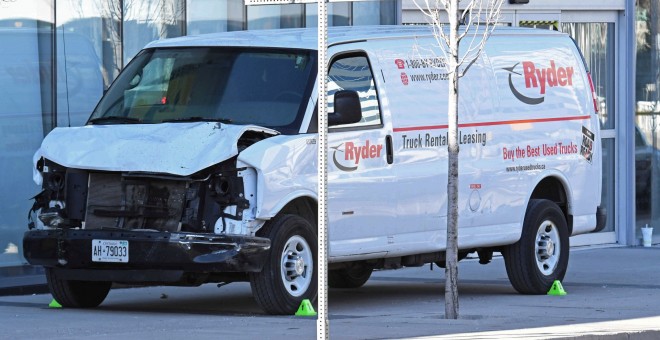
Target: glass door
647, 121
594, 33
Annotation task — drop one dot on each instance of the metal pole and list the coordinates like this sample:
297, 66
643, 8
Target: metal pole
322, 323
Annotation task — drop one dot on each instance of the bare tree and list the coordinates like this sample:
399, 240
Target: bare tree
474, 24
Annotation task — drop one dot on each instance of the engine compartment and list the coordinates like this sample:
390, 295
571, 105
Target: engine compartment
75, 198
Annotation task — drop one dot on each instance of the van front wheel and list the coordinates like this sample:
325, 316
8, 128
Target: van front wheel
76, 294
541, 255
289, 275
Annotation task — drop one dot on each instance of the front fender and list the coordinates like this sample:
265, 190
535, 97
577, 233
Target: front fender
286, 169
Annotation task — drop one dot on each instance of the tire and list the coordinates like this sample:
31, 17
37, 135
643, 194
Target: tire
76, 294
289, 275
541, 255
354, 276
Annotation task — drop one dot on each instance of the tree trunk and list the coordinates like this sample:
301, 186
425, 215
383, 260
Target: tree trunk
451, 267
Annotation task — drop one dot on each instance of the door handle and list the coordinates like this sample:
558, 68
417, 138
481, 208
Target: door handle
389, 149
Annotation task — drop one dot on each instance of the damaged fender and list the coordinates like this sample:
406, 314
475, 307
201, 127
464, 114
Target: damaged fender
286, 169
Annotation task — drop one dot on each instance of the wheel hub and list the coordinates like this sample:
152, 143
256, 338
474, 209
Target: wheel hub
299, 265
295, 266
550, 247
547, 253
546, 247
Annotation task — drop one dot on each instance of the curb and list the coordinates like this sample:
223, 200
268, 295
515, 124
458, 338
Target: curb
632, 329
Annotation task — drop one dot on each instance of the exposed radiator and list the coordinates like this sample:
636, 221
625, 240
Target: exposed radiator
118, 201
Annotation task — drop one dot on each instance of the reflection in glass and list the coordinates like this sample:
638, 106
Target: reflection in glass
26, 112
210, 16
607, 193
339, 14
647, 120
88, 56
274, 16
148, 20
374, 13
354, 73
596, 41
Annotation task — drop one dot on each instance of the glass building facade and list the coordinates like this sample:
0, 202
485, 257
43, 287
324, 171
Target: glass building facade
58, 57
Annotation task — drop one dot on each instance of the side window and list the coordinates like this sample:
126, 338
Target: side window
353, 73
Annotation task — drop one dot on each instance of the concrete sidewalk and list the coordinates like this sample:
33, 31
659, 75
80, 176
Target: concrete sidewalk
613, 293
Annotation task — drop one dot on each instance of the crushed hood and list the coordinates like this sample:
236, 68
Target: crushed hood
173, 148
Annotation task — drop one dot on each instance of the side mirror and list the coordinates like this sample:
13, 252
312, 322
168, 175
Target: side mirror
347, 108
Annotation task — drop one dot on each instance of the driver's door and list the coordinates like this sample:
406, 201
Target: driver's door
361, 204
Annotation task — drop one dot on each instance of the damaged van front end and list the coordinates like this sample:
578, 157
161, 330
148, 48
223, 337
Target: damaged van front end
152, 189
103, 200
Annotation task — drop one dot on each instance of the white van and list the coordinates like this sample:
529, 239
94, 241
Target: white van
199, 164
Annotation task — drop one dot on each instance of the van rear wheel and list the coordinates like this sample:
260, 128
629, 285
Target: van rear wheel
541, 255
76, 294
353, 276
289, 275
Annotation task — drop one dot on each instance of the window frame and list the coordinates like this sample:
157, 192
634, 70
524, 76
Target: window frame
313, 125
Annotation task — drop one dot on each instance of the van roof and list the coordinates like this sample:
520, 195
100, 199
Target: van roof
306, 38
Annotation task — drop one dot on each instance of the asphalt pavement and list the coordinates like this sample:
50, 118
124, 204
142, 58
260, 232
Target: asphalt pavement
613, 293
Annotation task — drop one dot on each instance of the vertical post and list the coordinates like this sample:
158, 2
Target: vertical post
322, 323
451, 257
122, 60
53, 70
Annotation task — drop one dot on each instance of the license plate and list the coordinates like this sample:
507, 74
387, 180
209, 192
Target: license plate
110, 251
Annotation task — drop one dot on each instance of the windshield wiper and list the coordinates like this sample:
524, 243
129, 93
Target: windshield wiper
117, 119
197, 119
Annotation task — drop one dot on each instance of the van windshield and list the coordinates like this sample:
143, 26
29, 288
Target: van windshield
265, 87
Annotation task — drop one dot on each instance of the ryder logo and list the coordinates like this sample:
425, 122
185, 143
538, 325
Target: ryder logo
404, 78
539, 78
353, 154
